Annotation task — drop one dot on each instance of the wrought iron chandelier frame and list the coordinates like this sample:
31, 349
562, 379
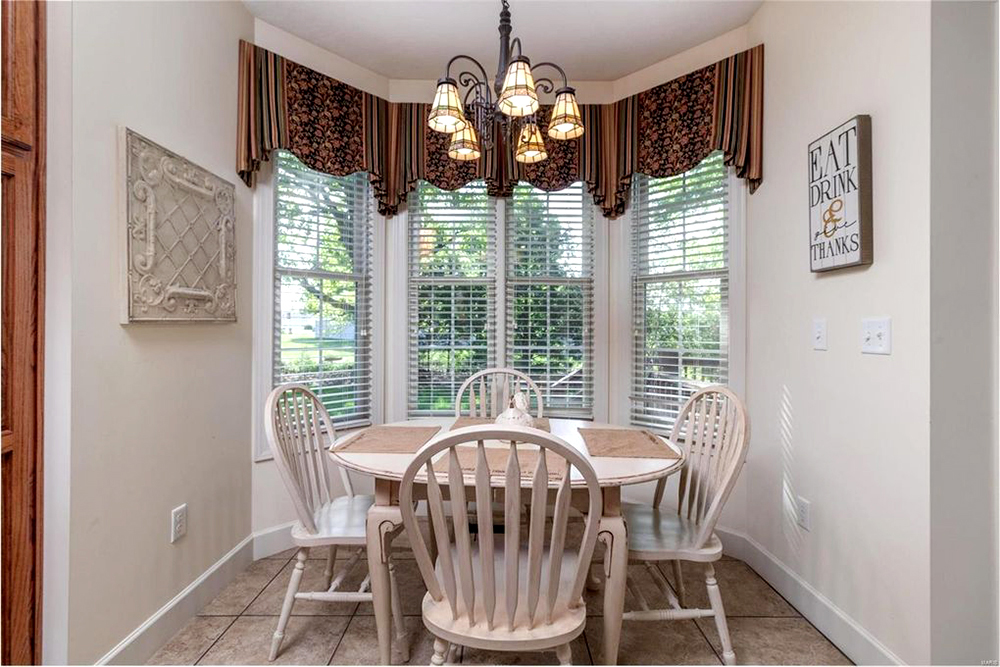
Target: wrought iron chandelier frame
481, 100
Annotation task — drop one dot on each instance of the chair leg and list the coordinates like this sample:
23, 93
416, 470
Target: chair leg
715, 597
440, 649
452, 654
675, 566
331, 559
286, 608
564, 655
397, 614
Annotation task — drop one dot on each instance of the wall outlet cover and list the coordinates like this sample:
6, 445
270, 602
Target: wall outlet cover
802, 512
178, 523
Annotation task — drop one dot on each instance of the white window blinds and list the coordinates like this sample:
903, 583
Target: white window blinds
322, 286
549, 295
680, 279
452, 292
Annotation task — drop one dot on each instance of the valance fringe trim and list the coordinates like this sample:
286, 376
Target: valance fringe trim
337, 129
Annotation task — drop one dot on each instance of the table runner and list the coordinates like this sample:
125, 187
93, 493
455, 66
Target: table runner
496, 459
627, 443
390, 440
541, 423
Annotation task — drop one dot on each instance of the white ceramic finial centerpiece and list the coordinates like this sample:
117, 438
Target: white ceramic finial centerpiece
517, 413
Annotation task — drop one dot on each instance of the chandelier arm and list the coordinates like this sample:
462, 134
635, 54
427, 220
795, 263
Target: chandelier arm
451, 62
555, 67
517, 41
467, 78
545, 85
475, 86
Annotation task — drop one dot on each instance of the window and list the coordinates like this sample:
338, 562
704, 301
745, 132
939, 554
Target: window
457, 262
322, 287
680, 279
549, 295
452, 292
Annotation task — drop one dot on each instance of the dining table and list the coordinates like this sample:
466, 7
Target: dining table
384, 522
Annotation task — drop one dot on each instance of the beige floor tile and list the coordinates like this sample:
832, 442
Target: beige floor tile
411, 589
308, 641
270, 600
241, 592
472, 656
744, 593
192, 641
283, 555
654, 643
360, 643
776, 641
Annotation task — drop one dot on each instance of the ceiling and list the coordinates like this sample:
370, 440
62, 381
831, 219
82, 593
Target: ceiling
593, 40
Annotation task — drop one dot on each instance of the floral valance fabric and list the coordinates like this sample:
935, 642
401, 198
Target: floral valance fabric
338, 129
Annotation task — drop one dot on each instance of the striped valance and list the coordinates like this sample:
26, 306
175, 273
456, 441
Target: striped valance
338, 129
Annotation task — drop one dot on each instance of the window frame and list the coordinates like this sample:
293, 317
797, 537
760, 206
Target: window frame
622, 348
263, 316
495, 284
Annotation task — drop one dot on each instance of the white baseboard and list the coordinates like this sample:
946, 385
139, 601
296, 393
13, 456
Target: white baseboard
171, 617
272, 540
848, 635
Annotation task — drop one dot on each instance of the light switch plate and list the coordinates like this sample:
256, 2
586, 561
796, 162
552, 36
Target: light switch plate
819, 333
876, 335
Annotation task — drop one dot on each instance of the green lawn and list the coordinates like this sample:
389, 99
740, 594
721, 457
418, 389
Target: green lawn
299, 349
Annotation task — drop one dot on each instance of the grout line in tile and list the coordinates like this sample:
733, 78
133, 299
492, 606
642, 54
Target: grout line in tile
212, 645
708, 641
586, 643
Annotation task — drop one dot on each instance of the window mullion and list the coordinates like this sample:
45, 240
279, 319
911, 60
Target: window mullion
501, 355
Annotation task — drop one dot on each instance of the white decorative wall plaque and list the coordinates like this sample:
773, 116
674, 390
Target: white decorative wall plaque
179, 238
840, 197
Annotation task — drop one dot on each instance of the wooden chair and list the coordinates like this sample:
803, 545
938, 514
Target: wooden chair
715, 430
499, 594
299, 431
490, 391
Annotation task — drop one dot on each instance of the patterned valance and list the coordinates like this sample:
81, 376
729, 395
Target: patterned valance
336, 128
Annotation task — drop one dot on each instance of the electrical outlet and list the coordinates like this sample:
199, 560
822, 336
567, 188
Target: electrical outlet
819, 333
876, 335
802, 507
178, 523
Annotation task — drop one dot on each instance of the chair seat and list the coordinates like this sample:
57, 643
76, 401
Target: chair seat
567, 623
340, 521
655, 534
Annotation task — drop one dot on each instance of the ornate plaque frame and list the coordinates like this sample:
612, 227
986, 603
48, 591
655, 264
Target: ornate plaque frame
178, 237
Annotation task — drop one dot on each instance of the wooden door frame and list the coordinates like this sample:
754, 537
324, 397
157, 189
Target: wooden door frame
38, 150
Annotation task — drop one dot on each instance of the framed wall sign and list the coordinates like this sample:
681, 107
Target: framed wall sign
840, 197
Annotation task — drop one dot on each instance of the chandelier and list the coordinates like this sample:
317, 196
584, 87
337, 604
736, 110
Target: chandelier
473, 120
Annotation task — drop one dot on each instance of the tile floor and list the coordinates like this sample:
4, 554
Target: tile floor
236, 627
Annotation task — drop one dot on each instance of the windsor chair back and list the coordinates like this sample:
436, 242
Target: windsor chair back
299, 431
502, 592
715, 433
490, 391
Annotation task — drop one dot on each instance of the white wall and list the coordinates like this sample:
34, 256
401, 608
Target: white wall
159, 415
963, 354
848, 432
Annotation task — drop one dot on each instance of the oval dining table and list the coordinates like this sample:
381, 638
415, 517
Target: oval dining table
385, 520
